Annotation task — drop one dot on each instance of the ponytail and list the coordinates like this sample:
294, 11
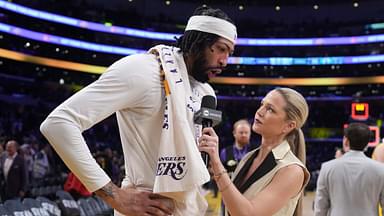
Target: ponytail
297, 110
297, 143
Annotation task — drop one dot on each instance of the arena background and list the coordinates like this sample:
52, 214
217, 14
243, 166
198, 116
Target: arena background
330, 51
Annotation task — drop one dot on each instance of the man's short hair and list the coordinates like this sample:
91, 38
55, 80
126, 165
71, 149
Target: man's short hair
240, 122
358, 135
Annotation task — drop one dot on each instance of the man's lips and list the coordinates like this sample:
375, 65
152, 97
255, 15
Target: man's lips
213, 73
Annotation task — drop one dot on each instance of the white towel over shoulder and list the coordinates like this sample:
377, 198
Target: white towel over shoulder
180, 169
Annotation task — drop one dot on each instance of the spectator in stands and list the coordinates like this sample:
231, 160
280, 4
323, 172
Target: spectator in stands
28, 158
154, 96
41, 165
231, 155
112, 164
352, 184
270, 179
105, 160
1, 149
13, 173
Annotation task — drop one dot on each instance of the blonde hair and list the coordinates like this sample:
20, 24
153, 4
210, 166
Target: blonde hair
296, 110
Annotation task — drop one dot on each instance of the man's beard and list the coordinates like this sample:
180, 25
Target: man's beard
243, 142
200, 69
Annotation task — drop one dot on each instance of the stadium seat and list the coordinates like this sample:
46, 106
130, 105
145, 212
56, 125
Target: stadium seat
86, 209
4, 211
50, 206
96, 206
82, 211
15, 207
107, 210
34, 192
35, 207
67, 204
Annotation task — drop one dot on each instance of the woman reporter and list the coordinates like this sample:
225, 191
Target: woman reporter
269, 180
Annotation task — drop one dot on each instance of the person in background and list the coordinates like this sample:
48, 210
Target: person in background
13, 173
231, 155
28, 158
2, 150
352, 184
41, 168
270, 179
154, 96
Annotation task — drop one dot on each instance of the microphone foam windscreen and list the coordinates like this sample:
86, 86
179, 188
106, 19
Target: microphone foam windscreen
209, 102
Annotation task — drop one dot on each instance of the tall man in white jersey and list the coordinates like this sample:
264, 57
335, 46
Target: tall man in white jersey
154, 96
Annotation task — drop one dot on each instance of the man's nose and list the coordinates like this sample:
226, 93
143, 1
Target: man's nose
223, 60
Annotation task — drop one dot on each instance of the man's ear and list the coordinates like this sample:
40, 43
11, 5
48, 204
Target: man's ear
346, 146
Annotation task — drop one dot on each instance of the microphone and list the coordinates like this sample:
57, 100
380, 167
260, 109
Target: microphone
207, 116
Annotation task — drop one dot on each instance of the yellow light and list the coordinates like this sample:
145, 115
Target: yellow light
109, 24
379, 123
52, 62
360, 107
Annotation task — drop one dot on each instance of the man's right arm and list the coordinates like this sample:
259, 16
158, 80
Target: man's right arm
322, 195
115, 90
120, 87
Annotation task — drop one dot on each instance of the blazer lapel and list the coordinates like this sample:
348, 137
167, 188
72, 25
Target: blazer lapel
268, 164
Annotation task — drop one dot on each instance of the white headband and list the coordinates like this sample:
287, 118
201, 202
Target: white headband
213, 25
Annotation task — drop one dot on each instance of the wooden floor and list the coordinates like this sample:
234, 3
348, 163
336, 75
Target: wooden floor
308, 203
214, 204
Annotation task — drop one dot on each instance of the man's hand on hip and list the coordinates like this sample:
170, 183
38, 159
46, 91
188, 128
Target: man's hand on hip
134, 202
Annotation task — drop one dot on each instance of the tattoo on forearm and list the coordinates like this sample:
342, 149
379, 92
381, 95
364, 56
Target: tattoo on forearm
106, 191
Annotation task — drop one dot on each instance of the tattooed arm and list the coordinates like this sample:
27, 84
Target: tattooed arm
132, 202
107, 193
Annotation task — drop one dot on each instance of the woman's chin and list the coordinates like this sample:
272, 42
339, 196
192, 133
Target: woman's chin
257, 129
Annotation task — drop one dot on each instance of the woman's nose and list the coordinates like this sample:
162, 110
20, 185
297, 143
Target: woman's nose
260, 112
